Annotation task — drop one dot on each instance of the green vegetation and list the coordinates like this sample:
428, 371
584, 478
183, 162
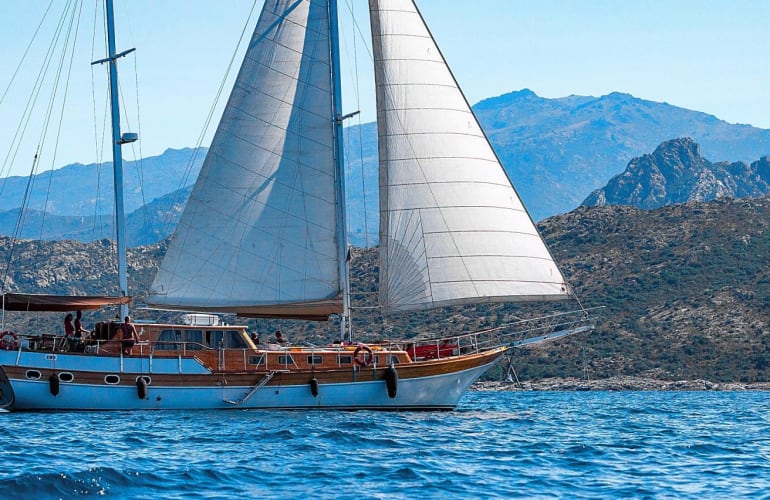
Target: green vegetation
686, 290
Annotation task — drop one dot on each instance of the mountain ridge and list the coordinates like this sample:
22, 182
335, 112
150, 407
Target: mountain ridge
556, 152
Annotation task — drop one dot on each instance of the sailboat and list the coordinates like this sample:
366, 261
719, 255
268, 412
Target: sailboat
263, 235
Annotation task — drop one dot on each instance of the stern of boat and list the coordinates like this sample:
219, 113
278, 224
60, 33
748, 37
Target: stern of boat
6, 391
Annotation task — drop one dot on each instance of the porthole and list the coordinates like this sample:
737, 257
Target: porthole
111, 379
33, 375
147, 379
66, 377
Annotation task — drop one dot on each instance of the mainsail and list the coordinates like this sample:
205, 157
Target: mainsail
259, 233
452, 228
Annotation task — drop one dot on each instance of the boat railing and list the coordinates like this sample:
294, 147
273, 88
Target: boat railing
513, 334
543, 328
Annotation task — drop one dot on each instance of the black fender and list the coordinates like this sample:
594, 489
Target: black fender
391, 381
141, 387
53, 384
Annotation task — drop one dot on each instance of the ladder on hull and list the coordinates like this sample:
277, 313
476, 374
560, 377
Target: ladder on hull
264, 380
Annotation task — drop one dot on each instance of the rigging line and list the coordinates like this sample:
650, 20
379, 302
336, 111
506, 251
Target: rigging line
26, 51
49, 111
76, 21
138, 160
139, 145
112, 246
15, 145
207, 122
360, 132
17, 228
97, 151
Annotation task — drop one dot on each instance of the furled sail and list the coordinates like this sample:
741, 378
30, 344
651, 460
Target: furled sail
452, 228
258, 235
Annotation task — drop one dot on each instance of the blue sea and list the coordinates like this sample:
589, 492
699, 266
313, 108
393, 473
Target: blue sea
496, 444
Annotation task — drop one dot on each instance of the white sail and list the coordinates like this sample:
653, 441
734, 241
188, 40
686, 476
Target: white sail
452, 228
258, 235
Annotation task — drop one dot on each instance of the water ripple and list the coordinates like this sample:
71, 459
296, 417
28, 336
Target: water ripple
496, 445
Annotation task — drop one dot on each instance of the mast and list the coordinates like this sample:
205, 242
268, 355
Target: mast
117, 157
342, 236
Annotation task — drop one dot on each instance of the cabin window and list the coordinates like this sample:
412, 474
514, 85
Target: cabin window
111, 379
33, 375
257, 360
285, 360
345, 360
168, 340
379, 360
235, 340
147, 379
315, 359
214, 339
66, 377
193, 339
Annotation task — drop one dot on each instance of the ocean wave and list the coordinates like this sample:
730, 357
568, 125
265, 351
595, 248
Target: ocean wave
505, 445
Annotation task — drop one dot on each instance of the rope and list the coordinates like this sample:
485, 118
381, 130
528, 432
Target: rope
209, 117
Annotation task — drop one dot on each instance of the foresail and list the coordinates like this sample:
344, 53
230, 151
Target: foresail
259, 229
452, 228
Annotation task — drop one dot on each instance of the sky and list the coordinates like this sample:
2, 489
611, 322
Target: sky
704, 55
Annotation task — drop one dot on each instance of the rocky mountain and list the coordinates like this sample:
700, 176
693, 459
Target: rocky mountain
676, 173
685, 290
556, 151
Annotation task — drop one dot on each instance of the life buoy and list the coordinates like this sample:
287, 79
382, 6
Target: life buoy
363, 355
9, 341
314, 387
391, 381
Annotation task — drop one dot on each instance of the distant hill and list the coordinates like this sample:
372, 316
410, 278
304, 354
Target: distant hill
556, 151
686, 289
148, 224
86, 190
676, 173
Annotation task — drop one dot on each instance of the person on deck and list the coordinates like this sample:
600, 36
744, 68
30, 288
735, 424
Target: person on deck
80, 332
129, 335
69, 332
279, 338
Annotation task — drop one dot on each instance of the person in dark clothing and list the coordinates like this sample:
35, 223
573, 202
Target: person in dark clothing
80, 332
129, 336
69, 333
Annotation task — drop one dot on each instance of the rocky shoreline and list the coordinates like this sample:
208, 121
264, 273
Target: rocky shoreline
620, 384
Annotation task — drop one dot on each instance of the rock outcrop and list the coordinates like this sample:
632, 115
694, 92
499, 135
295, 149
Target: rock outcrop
677, 173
